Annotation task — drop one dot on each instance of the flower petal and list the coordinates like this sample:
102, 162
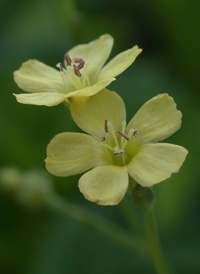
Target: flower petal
73, 153
119, 63
34, 76
156, 162
90, 113
104, 185
94, 53
92, 90
41, 99
157, 119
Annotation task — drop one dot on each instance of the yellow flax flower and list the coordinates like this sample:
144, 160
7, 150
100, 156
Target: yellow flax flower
113, 150
83, 73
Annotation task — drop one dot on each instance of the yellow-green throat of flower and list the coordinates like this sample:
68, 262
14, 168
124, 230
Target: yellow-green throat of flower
116, 143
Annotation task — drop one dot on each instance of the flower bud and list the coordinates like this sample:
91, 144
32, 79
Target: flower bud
36, 189
10, 179
32, 188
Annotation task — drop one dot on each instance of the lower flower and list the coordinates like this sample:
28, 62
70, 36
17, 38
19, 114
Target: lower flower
113, 151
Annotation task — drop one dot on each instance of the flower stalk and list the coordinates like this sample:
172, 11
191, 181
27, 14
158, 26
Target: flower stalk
153, 238
144, 198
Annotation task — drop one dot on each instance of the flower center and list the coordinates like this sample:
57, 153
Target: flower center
75, 72
117, 143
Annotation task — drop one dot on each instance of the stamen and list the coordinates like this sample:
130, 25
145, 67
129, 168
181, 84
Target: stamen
80, 61
123, 126
123, 135
68, 60
130, 133
113, 133
77, 71
119, 152
135, 133
61, 67
103, 138
86, 77
106, 126
69, 76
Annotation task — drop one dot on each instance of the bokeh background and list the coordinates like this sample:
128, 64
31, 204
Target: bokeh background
36, 240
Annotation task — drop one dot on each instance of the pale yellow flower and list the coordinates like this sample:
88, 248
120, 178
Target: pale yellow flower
113, 150
83, 73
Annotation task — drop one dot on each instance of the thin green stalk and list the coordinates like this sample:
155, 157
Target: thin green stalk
152, 235
144, 198
116, 233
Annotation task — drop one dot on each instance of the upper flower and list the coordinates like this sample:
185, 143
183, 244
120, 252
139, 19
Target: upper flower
115, 150
83, 73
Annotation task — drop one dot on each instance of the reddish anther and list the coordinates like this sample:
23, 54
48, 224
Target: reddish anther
77, 71
61, 66
123, 135
121, 152
81, 64
103, 138
68, 60
106, 126
135, 133
80, 61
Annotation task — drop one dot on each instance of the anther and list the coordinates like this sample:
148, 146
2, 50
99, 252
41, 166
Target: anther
77, 71
119, 152
80, 61
106, 126
61, 66
123, 135
103, 138
68, 60
135, 133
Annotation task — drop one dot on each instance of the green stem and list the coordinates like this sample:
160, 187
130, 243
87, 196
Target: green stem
152, 235
116, 233
144, 198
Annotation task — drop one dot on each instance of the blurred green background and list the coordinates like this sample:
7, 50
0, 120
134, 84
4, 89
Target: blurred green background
40, 241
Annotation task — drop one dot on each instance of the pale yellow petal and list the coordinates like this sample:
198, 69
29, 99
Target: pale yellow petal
90, 113
94, 53
119, 63
34, 76
157, 119
104, 185
91, 90
41, 99
156, 162
73, 153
